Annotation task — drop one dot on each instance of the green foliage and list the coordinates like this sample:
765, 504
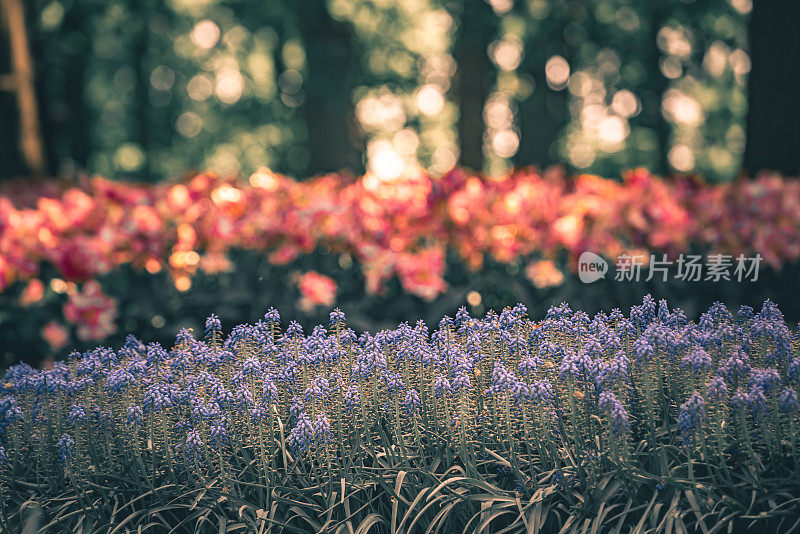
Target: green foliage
151, 88
518, 441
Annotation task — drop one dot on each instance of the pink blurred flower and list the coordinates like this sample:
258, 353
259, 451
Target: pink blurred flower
33, 292
80, 258
56, 335
544, 273
215, 262
421, 272
316, 290
92, 312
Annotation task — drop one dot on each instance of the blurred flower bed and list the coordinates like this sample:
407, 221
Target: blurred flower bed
74, 250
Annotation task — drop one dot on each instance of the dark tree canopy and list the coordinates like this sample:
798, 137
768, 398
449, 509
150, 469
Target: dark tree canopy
151, 89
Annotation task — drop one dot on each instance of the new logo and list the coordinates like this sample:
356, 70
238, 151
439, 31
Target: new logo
591, 267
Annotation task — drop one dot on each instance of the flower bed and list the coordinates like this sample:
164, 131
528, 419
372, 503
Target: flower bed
603, 422
58, 236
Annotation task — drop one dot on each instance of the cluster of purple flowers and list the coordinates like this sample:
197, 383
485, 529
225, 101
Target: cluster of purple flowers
616, 411
563, 374
691, 416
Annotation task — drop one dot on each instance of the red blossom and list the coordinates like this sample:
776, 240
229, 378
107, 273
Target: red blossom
56, 335
92, 312
316, 290
392, 227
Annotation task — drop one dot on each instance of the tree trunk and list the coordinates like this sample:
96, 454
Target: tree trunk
773, 119
21, 82
472, 78
329, 91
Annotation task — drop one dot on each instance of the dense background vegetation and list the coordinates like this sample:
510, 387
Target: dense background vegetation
149, 89
155, 90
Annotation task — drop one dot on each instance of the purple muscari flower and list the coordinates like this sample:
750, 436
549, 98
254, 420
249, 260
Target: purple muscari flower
537, 337
740, 400
9, 411
697, 360
441, 386
135, 415
462, 317
238, 334
611, 371
184, 337
294, 330
745, 313
319, 388
205, 411
716, 388
213, 326
691, 415
519, 311
644, 313
337, 317
736, 365
259, 413
765, 379
461, 381
593, 348
681, 339
66, 448
788, 400
218, 433
542, 391
520, 390
757, 400
302, 435
394, 382
159, 396
322, 430
446, 324
411, 402
663, 311
222, 395
793, 371
504, 381
156, 354
251, 366
615, 316
77, 415
270, 390
296, 408
244, 399
133, 346
89, 364
272, 317
677, 319
118, 380
578, 365
754, 400
193, 446
352, 398
3, 457
626, 329
609, 403
643, 351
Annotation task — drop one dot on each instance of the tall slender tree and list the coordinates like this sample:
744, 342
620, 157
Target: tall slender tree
773, 120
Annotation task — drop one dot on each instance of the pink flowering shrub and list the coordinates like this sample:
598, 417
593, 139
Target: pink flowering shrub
316, 290
92, 311
403, 227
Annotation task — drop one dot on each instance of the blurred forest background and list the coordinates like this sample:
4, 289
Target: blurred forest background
152, 90
149, 89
